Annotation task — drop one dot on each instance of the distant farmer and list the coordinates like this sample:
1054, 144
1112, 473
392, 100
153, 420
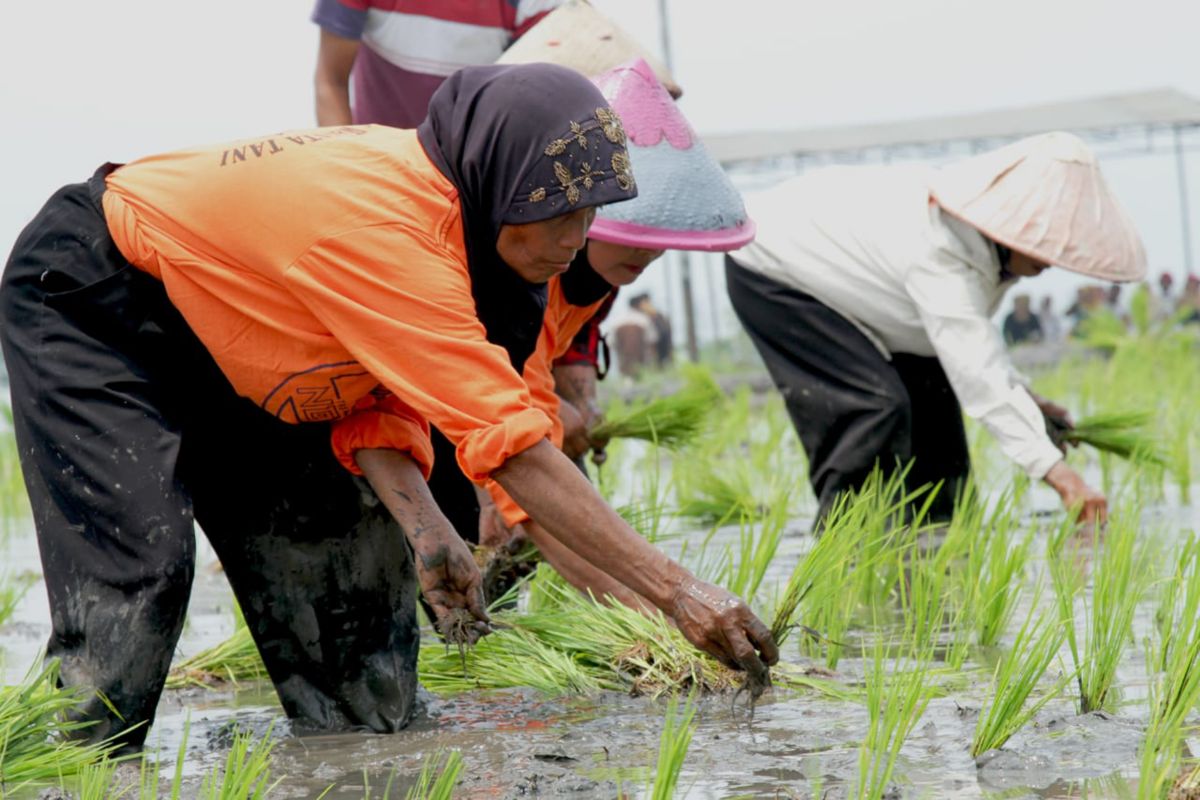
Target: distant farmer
166, 321
1022, 325
868, 292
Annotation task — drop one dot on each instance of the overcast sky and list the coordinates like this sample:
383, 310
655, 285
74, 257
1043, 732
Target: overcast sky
86, 82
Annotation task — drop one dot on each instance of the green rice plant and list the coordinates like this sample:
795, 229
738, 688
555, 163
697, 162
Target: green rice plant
439, 775
95, 782
756, 551
1016, 676
828, 555
1173, 657
148, 785
998, 565
671, 421
35, 732
895, 703
678, 729
1123, 433
246, 773
12, 590
716, 495
1122, 575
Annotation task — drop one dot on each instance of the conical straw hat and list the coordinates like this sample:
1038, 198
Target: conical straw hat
578, 36
1044, 196
685, 200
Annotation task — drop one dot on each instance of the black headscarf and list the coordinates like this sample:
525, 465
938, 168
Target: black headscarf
522, 143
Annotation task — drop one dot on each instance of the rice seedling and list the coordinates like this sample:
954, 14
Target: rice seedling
745, 573
439, 775
1122, 433
1121, 577
998, 566
1174, 660
829, 554
716, 495
678, 729
35, 733
897, 695
12, 590
246, 773
671, 421
1016, 676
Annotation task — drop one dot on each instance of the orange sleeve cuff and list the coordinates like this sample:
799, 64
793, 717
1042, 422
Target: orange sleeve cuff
484, 450
387, 425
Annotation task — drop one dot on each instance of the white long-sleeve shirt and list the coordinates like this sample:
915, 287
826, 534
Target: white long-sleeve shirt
868, 243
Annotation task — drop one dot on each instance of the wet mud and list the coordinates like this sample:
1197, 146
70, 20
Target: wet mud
519, 744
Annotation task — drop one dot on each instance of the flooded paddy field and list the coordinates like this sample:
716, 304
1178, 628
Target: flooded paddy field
824, 729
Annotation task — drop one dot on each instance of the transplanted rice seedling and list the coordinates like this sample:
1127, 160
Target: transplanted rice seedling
671, 421
756, 550
35, 745
1121, 576
1174, 660
995, 573
898, 692
1015, 678
439, 775
246, 774
678, 729
12, 589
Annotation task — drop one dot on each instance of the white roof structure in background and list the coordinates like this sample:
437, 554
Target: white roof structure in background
1156, 107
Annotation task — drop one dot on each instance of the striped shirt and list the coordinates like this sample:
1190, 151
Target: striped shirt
408, 47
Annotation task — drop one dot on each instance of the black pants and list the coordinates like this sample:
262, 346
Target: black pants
127, 431
852, 407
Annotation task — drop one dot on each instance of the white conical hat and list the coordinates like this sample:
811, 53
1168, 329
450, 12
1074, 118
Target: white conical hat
578, 36
1044, 196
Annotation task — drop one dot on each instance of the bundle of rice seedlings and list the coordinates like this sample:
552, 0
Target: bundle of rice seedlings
671, 421
233, 660
678, 729
1123, 433
1015, 678
35, 732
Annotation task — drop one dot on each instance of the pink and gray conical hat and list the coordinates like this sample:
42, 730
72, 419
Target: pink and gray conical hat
685, 200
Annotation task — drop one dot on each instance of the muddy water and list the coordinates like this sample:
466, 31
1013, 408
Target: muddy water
520, 744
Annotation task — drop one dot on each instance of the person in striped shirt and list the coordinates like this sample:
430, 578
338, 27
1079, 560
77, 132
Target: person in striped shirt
396, 53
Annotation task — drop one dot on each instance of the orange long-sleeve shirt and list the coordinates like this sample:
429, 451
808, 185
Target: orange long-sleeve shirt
561, 323
326, 273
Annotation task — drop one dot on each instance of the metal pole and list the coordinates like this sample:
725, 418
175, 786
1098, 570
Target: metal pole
1184, 210
685, 266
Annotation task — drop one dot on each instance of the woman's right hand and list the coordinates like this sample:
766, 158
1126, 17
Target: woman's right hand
723, 626
1092, 505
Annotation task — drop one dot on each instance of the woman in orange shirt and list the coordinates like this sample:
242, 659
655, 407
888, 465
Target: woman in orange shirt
164, 322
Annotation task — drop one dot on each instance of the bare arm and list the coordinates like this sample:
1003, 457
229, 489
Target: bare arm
449, 578
581, 574
557, 495
576, 384
335, 58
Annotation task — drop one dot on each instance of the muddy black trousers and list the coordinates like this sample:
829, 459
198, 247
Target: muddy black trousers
852, 408
128, 432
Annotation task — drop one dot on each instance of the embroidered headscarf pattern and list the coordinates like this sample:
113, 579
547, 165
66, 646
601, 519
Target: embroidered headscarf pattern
572, 185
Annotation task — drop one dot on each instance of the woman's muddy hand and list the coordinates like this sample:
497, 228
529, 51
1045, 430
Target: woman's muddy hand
723, 626
453, 587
